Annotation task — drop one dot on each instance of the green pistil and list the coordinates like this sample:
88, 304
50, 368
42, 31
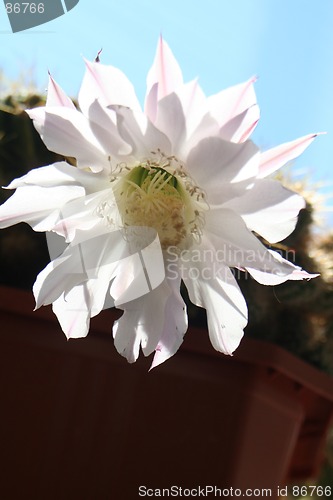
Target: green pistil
138, 175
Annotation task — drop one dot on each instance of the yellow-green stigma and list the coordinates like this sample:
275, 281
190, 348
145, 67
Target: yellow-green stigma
150, 195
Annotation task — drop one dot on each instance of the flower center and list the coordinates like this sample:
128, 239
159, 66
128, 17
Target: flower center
152, 194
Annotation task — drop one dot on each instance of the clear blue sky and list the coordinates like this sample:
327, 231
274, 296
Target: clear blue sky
287, 43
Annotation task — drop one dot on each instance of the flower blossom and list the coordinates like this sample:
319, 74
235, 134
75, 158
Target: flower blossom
175, 192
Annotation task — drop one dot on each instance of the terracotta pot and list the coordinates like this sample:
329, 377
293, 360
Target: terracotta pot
79, 422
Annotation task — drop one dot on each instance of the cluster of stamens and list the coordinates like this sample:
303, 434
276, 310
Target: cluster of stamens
159, 194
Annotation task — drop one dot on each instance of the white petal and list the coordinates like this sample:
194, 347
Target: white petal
269, 209
67, 132
226, 240
170, 120
208, 127
72, 312
128, 335
233, 243
235, 246
46, 196
97, 213
84, 301
215, 163
141, 324
61, 173
224, 303
95, 254
174, 326
141, 269
141, 134
130, 281
38, 206
155, 321
107, 84
103, 123
104, 255
58, 277
151, 103
193, 102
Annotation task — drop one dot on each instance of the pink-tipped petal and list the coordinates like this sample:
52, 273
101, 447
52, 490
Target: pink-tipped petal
274, 276
233, 101
56, 96
274, 158
300, 274
165, 71
239, 128
107, 84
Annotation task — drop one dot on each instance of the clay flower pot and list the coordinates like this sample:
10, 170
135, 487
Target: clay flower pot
79, 422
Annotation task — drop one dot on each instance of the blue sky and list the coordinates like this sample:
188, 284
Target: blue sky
288, 44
